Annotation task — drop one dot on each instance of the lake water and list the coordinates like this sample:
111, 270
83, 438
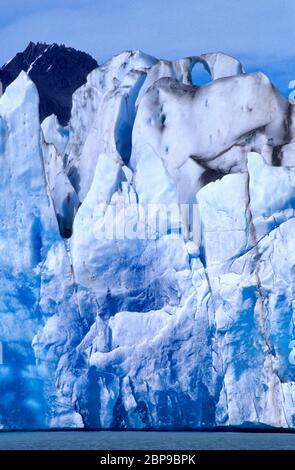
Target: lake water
112, 440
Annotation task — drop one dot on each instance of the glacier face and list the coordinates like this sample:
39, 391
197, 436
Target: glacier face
140, 325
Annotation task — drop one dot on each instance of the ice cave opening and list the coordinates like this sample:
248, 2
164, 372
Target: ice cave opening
200, 74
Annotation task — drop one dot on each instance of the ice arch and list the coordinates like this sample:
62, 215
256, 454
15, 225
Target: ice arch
200, 73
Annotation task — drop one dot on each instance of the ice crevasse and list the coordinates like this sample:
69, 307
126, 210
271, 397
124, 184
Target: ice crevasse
158, 331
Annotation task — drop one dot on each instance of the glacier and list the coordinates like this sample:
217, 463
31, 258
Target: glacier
144, 325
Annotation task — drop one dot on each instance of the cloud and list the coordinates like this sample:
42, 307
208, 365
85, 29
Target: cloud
260, 31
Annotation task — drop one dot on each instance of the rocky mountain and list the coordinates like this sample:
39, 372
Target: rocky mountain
56, 70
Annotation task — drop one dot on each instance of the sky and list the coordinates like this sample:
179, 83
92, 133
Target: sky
261, 33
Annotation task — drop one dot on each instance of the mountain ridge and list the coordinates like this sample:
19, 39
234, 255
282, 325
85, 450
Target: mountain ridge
57, 71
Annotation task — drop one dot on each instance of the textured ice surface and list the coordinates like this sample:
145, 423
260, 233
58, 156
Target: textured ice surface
161, 331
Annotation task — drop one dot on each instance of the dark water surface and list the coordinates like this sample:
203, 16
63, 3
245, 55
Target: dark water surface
112, 440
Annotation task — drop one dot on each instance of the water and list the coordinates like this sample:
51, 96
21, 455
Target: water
112, 440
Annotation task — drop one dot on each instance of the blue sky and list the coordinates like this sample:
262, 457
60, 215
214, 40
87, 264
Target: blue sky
261, 33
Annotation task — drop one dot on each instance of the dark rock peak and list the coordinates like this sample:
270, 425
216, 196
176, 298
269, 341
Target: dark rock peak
56, 70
